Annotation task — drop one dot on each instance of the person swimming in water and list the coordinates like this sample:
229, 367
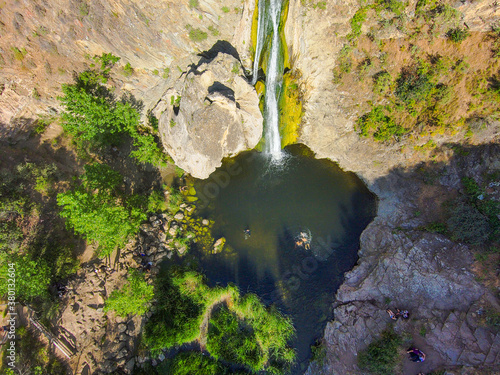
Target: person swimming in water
247, 232
303, 240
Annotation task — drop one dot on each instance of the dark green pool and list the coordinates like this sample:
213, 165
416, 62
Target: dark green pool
276, 203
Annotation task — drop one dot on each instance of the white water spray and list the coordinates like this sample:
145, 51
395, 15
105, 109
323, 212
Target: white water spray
274, 74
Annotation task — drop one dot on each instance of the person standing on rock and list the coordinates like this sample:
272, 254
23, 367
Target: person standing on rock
416, 355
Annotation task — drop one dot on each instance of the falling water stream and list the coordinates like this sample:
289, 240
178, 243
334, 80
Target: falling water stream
269, 21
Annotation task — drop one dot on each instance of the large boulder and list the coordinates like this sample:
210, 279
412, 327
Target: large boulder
212, 113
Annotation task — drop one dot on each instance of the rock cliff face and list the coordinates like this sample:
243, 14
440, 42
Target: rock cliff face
212, 113
400, 265
44, 42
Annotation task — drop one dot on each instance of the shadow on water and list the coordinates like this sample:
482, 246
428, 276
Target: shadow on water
276, 203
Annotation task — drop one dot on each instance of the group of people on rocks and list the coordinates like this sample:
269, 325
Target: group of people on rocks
415, 355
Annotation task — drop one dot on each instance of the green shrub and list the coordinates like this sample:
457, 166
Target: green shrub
197, 35
380, 357
92, 116
213, 30
128, 70
244, 332
233, 342
356, 23
98, 211
225, 9
436, 227
194, 3
19, 54
133, 298
467, 224
380, 125
394, 6
457, 35
382, 82
413, 86
190, 363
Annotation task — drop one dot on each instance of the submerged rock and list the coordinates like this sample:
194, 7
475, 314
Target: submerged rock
211, 114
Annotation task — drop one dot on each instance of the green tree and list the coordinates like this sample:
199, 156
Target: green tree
133, 298
97, 210
189, 363
380, 357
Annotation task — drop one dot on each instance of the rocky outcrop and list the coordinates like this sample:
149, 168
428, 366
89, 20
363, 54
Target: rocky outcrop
403, 266
212, 113
43, 43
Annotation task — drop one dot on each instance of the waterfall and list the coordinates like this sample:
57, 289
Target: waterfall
271, 13
261, 26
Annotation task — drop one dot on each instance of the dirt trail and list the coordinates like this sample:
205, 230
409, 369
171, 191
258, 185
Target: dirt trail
225, 298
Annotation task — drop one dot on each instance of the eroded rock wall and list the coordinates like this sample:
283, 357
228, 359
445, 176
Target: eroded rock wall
212, 113
44, 42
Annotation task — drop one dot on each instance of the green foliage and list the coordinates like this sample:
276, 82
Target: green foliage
413, 86
344, 62
381, 126
225, 9
182, 300
197, 35
382, 82
84, 9
32, 278
213, 30
243, 333
133, 298
190, 363
356, 23
19, 54
381, 355
128, 70
230, 341
33, 357
468, 224
97, 210
95, 119
194, 3
436, 227
166, 73
394, 6
92, 116
457, 35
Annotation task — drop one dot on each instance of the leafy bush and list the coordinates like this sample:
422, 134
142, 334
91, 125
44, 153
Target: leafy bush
133, 298
457, 35
378, 124
381, 355
394, 6
382, 82
436, 227
231, 341
468, 224
92, 116
413, 86
97, 210
190, 363
356, 23
128, 70
95, 119
197, 35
